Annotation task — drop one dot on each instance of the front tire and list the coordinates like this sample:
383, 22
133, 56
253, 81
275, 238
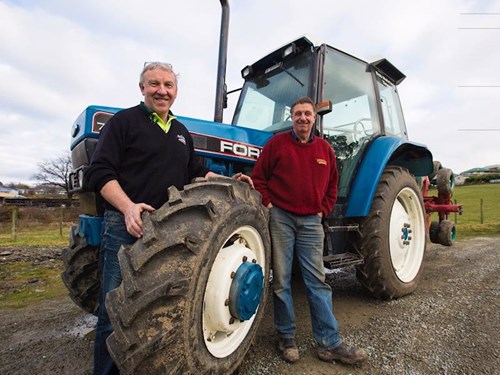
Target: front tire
393, 237
81, 272
194, 287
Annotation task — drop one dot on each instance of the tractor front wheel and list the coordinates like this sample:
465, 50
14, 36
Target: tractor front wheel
194, 287
81, 272
393, 237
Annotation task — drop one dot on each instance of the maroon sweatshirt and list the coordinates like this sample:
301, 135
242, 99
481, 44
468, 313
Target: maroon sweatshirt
298, 177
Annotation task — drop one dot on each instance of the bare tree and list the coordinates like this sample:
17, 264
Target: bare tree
55, 172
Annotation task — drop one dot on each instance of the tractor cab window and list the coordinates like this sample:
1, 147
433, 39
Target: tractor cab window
348, 84
262, 112
266, 96
392, 112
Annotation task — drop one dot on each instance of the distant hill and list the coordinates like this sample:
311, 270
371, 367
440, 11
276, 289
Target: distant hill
488, 169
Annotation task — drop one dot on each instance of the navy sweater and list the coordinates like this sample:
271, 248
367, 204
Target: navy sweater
145, 160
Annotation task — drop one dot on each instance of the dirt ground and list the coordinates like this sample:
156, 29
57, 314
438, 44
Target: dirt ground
450, 325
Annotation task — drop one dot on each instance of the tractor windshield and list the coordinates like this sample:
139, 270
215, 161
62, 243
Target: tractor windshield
265, 100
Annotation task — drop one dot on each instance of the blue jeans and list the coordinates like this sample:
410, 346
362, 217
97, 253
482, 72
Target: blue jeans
302, 235
114, 234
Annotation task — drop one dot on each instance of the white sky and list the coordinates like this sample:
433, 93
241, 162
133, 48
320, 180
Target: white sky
58, 57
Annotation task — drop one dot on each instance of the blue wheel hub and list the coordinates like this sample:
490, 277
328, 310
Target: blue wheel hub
246, 290
406, 234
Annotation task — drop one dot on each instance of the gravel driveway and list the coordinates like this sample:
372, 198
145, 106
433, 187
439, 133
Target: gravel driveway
450, 325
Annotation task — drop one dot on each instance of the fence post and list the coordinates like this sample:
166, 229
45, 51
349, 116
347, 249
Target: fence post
481, 210
14, 223
61, 217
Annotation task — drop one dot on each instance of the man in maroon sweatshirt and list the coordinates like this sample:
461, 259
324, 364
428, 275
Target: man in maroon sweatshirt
297, 177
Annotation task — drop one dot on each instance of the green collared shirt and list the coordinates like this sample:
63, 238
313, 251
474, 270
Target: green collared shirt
162, 124
153, 116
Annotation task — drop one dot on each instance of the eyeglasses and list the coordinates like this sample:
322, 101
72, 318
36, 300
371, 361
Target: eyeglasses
157, 64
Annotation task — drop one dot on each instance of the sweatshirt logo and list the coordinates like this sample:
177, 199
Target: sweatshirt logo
181, 139
321, 161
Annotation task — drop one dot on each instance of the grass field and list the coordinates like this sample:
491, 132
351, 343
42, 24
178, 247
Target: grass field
23, 283
469, 223
48, 235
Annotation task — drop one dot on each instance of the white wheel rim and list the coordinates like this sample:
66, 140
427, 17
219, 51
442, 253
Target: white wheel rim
407, 235
222, 334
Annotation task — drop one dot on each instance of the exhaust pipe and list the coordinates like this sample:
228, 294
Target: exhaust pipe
221, 89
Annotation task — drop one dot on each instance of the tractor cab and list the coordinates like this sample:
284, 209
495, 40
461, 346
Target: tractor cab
362, 103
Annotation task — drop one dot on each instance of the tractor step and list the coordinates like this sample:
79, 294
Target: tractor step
342, 260
342, 228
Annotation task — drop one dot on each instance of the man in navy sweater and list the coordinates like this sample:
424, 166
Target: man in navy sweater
141, 152
297, 177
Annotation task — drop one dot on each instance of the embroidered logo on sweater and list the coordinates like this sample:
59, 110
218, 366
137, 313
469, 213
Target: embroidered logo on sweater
181, 138
321, 161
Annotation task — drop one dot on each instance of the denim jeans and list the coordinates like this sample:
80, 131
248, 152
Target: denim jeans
302, 235
114, 234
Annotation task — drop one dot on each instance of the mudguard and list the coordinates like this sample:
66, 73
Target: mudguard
384, 151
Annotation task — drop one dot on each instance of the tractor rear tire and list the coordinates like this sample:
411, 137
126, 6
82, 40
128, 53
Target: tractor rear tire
81, 272
447, 233
393, 237
177, 310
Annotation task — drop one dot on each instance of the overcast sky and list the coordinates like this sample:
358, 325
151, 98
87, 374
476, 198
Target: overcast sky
57, 57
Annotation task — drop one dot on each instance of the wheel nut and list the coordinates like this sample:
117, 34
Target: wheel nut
233, 274
244, 259
231, 320
226, 302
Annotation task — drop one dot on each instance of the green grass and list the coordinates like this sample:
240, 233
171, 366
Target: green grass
39, 235
469, 223
23, 283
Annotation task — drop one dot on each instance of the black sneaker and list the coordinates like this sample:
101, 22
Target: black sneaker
343, 353
289, 350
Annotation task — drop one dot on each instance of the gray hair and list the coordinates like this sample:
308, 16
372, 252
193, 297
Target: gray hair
303, 100
156, 65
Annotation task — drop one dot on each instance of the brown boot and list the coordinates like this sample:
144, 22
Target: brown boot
289, 350
343, 353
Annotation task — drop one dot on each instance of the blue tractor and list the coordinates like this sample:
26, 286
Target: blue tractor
194, 287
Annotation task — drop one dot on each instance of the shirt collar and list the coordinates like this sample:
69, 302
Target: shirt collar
295, 136
153, 116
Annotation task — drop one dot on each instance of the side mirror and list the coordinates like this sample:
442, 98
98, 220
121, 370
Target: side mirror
324, 107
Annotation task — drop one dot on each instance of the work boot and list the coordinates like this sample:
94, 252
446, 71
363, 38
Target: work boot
289, 350
343, 353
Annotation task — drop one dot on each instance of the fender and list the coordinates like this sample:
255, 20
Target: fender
382, 152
